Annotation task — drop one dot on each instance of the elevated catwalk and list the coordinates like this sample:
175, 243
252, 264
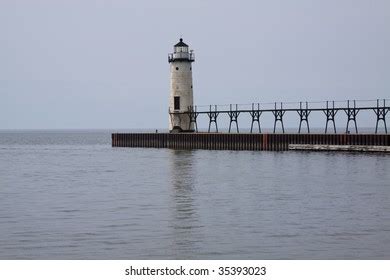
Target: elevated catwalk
350, 107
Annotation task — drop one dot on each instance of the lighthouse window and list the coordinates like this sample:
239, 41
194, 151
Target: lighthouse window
177, 102
177, 68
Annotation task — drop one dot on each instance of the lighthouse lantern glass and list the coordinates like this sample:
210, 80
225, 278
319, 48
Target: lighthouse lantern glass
181, 49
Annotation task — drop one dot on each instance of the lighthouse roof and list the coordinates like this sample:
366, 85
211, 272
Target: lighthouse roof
181, 43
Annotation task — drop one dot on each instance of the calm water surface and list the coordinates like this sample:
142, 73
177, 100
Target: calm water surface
69, 195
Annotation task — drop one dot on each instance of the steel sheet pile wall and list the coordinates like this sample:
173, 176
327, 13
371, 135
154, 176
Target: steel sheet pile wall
227, 141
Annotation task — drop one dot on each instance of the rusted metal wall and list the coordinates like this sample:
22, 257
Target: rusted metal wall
226, 141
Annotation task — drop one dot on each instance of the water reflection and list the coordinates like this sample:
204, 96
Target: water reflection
185, 217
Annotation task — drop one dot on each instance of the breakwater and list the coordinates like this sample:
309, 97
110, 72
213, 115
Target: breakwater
242, 141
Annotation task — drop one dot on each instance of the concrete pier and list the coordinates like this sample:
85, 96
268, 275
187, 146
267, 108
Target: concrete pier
244, 141
352, 148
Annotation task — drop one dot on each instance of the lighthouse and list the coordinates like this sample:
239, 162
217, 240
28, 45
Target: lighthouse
181, 99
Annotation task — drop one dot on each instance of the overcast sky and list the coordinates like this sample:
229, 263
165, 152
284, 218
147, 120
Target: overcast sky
103, 64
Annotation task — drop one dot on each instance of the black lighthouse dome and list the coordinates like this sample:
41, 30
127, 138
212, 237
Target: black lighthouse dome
181, 43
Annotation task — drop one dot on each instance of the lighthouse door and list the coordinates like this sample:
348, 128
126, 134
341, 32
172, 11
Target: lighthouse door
177, 103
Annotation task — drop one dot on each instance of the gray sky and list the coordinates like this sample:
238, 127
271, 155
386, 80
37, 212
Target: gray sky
103, 64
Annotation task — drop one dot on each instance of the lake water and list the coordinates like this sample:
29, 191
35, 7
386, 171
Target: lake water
70, 195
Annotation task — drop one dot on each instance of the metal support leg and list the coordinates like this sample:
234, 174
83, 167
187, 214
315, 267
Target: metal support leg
193, 115
213, 117
233, 114
255, 114
304, 116
330, 114
381, 113
255, 118
278, 114
351, 115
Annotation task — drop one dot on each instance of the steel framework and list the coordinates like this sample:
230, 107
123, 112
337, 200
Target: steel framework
278, 109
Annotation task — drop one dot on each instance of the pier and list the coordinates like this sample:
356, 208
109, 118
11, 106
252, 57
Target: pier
246, 141
212, 139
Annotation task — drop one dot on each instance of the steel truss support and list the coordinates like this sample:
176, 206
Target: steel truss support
304, 116
255, 114
330, 114
213, 114
278, 113
193, 115
351, 114
278, 109
233, 114
381, 113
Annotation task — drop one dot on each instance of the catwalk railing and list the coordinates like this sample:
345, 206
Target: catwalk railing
330, 109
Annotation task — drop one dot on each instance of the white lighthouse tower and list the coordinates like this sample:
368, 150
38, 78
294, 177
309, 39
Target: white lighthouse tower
181, 98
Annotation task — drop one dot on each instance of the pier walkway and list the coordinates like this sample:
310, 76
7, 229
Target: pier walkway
247, 141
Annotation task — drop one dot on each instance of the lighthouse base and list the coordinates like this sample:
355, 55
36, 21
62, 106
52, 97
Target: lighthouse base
178, 129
